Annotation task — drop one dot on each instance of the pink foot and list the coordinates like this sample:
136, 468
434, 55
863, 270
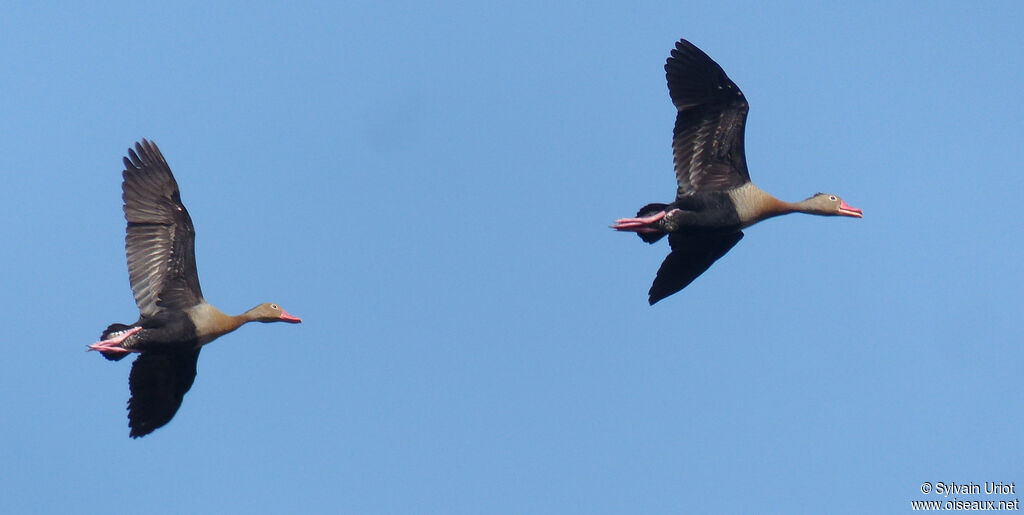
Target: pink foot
639, 224
114, 344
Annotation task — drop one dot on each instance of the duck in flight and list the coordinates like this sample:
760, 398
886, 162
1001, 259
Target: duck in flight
715, 199
174, 319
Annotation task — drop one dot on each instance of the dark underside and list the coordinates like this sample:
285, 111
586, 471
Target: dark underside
693, 252
703, 229
163, 372
158, 383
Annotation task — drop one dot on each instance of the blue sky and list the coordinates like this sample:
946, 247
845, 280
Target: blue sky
429, 186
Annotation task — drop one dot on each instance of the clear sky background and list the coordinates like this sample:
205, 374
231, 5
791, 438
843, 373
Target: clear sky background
430, 185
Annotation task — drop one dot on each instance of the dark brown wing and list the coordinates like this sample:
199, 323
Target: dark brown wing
158, 383
692, 254
160, 240
707, 142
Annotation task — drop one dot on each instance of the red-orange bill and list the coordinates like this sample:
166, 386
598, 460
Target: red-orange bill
849, 210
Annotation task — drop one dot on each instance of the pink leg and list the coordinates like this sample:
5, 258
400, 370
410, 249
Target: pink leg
639, 224
114, 344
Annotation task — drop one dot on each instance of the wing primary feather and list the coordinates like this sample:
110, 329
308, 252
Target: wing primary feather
707, 140
158, 383
160, 237
692, 254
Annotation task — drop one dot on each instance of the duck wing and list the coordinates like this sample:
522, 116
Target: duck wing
160, 239
707, 142
158, 383
692, 254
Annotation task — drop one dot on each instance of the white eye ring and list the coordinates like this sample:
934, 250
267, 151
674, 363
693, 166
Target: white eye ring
274, 306
833, 198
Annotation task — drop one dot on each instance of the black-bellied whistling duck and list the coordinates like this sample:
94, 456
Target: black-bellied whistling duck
174, 319
715, 199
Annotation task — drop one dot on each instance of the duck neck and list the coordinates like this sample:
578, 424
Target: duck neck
211, 322
248, 316
754, 204
804, 206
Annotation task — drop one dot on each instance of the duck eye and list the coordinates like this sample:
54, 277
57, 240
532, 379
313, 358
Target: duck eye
274, 306
833, 198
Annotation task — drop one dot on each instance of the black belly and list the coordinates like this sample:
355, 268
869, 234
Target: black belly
167, 332
709, 211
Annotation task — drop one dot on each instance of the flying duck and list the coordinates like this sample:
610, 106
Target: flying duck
715, 199
175, 321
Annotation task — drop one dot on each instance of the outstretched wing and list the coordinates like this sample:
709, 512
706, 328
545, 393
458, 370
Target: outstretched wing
707, 143
160, 239
692, 254
158, 383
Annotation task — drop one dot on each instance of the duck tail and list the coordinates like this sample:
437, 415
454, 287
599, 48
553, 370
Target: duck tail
648, 210
107, 333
